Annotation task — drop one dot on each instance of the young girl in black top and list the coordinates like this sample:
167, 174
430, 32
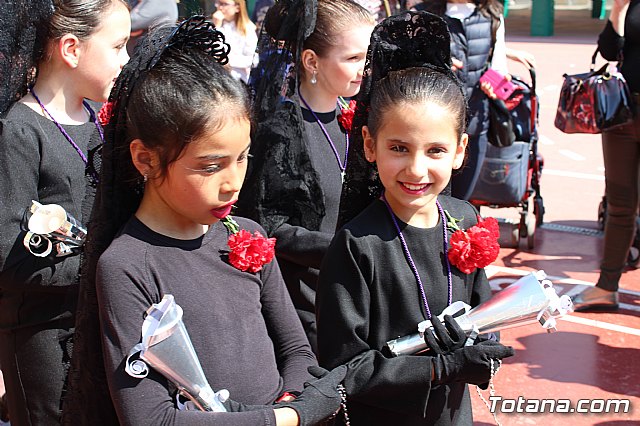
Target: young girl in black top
399, 261
174, 162
54, 56
312, 53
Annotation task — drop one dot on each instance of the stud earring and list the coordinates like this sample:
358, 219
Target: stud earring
145, 177
313, 77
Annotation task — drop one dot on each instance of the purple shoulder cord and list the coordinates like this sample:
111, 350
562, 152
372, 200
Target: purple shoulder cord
64, 132
412, 264
343, 167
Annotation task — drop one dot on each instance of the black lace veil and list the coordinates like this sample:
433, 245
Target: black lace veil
286, 26
407, 40
281, 185
119, 194
24, 25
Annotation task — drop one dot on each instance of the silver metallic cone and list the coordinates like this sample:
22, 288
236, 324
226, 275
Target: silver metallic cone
530, 299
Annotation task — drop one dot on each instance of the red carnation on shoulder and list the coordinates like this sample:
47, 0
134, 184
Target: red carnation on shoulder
105, 113
476, 247
347, 111
249, 252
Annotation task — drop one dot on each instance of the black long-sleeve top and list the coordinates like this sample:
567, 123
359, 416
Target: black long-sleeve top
299, 248
38, 163
611, 43
368, 295
243, 326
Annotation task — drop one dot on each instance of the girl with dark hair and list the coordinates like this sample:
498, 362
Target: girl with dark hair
176, 155
403, 259
312, 54
54, 55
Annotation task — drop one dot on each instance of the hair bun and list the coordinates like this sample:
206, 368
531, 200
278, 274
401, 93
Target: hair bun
287, 18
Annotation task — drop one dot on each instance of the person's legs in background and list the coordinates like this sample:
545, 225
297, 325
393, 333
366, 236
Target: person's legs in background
621, 152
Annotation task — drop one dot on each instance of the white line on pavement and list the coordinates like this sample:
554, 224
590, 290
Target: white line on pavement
601, 324
572, 155
577, 175
545, 140
492, 270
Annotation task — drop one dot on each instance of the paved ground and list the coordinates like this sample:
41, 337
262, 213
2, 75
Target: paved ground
592, 356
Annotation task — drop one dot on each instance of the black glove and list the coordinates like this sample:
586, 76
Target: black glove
469, 364
444, 338
320, 398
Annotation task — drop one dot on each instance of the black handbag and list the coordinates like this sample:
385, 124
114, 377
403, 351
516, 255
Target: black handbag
501, 133
594, 101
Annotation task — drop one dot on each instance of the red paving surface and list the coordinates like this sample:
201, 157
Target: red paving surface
592, 355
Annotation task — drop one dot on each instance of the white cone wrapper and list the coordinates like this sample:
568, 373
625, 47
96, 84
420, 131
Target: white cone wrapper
167, 348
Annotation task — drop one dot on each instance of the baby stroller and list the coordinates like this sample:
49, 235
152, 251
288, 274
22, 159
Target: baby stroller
510, 175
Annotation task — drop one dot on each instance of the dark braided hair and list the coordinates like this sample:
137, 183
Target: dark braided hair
172, 90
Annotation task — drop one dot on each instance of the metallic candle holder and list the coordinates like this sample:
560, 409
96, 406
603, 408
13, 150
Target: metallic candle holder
166, 346
530, 299
51, 225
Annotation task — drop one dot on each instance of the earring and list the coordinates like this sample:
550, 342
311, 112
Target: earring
313, 77
145, 177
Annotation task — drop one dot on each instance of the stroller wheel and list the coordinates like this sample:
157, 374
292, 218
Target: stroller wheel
633, 258
515, 236
531, 233
538, 210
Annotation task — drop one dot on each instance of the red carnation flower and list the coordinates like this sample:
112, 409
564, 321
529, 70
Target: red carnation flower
105, 113
250, 252
476, 247
346, 116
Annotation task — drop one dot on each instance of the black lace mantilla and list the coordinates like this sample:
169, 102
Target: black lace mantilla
408, 40
24, 25
281, 184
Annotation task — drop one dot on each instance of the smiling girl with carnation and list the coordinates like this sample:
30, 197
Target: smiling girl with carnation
411, 252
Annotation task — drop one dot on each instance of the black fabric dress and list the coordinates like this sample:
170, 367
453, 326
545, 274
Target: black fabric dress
242, 325
38, 294
368, 295
295, 194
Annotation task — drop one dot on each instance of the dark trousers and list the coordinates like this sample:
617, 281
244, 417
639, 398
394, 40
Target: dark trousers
35, 363
621, 151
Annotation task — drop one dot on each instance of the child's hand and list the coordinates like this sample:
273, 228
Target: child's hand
217, 18
456, 64
469, 364
320, 398
444, 338
485, 86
